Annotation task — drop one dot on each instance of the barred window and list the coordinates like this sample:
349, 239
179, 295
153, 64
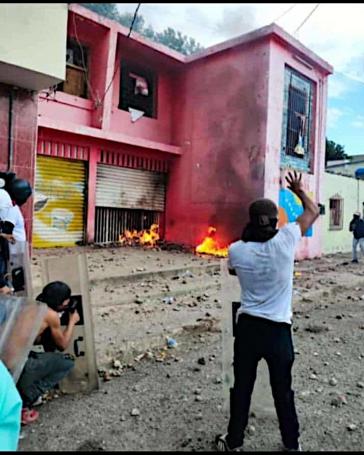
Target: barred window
297, 115
336, 213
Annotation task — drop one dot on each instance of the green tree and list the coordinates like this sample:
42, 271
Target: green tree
334, 151
109, 10
175, 40
171, 38
126, 19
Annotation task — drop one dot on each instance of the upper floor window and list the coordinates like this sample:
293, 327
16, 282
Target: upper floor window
76, 70
298, 121
138, 89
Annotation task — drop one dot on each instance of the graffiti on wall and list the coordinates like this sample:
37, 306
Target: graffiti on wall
290, 208
58, 203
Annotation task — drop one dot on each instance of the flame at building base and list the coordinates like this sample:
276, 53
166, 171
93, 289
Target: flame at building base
146, 237
210, 246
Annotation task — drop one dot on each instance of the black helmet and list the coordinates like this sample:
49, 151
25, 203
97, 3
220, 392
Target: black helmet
54, 294
19, 191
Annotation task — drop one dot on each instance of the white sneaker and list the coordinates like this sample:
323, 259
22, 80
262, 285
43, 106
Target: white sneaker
38, 401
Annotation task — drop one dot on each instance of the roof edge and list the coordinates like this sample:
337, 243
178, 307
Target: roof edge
255, 35
262, 33
80, 10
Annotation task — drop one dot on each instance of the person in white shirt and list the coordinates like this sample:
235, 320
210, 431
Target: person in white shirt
13, 194
263, 261
7, 223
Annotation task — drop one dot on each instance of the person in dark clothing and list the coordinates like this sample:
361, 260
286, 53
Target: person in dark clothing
44, 370
357, 228
263, 261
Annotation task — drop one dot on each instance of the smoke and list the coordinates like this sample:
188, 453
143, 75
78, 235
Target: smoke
237, 21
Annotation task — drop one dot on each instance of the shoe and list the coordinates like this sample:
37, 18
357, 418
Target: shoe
222, 446
355, 261
38, 401
293, 450
28, 416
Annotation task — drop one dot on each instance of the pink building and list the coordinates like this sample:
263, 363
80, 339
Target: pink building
139, 134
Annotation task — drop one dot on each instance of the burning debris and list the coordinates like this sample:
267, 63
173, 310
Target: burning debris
146, 237
210, 245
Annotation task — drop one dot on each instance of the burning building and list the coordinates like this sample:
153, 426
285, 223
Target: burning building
140, 135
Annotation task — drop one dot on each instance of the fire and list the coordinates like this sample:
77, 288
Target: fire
210, 246
147, 237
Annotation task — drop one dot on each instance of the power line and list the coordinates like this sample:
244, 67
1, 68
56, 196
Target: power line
306, 19
119, 63
286, 12
83, 59
134, 18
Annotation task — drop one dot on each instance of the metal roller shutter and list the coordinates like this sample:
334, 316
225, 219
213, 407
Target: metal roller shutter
118, 187
59, 202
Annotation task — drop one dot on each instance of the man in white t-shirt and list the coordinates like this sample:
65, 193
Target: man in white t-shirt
263, 261
13, 194
7, 220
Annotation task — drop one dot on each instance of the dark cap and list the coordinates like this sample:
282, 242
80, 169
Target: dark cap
261, 211
54, 294
19, 190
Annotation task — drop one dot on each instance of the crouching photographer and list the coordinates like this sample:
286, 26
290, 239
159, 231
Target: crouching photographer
44, 370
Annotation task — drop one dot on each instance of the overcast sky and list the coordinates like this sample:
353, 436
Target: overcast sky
334, 31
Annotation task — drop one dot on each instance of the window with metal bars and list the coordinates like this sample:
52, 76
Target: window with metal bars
336, 213
298, 116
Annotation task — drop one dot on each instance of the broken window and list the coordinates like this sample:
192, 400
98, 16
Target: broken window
297, 115
76, 70
336, 212
138, 90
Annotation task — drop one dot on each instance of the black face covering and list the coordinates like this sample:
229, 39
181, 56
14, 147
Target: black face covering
54, 294
260, 230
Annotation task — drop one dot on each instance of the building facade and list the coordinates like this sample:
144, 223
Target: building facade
139, 134
343, 196
346, 167
29, 62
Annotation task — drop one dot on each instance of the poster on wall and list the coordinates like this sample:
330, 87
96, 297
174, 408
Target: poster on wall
290, 208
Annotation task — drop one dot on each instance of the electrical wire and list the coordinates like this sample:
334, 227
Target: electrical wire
134, 18
285, 12
119, 63
83, 59
306, 19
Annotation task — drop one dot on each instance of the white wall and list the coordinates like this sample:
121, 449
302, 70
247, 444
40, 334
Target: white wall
347, 187
33, 43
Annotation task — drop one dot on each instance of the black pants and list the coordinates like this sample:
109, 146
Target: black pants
258, 338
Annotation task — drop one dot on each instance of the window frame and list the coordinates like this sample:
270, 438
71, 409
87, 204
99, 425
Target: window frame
71, 42
306, 162
150, 75
332, 225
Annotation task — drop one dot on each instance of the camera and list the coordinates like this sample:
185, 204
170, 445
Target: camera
72, 307
75, 304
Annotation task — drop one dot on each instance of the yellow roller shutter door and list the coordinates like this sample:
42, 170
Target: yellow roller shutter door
59, 202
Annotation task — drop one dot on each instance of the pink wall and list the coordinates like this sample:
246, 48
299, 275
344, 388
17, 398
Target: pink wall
279, 56
101, 110
155, 129
221, 118
24, 140
65, 107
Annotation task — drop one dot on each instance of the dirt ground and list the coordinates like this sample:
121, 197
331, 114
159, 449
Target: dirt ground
172, 398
